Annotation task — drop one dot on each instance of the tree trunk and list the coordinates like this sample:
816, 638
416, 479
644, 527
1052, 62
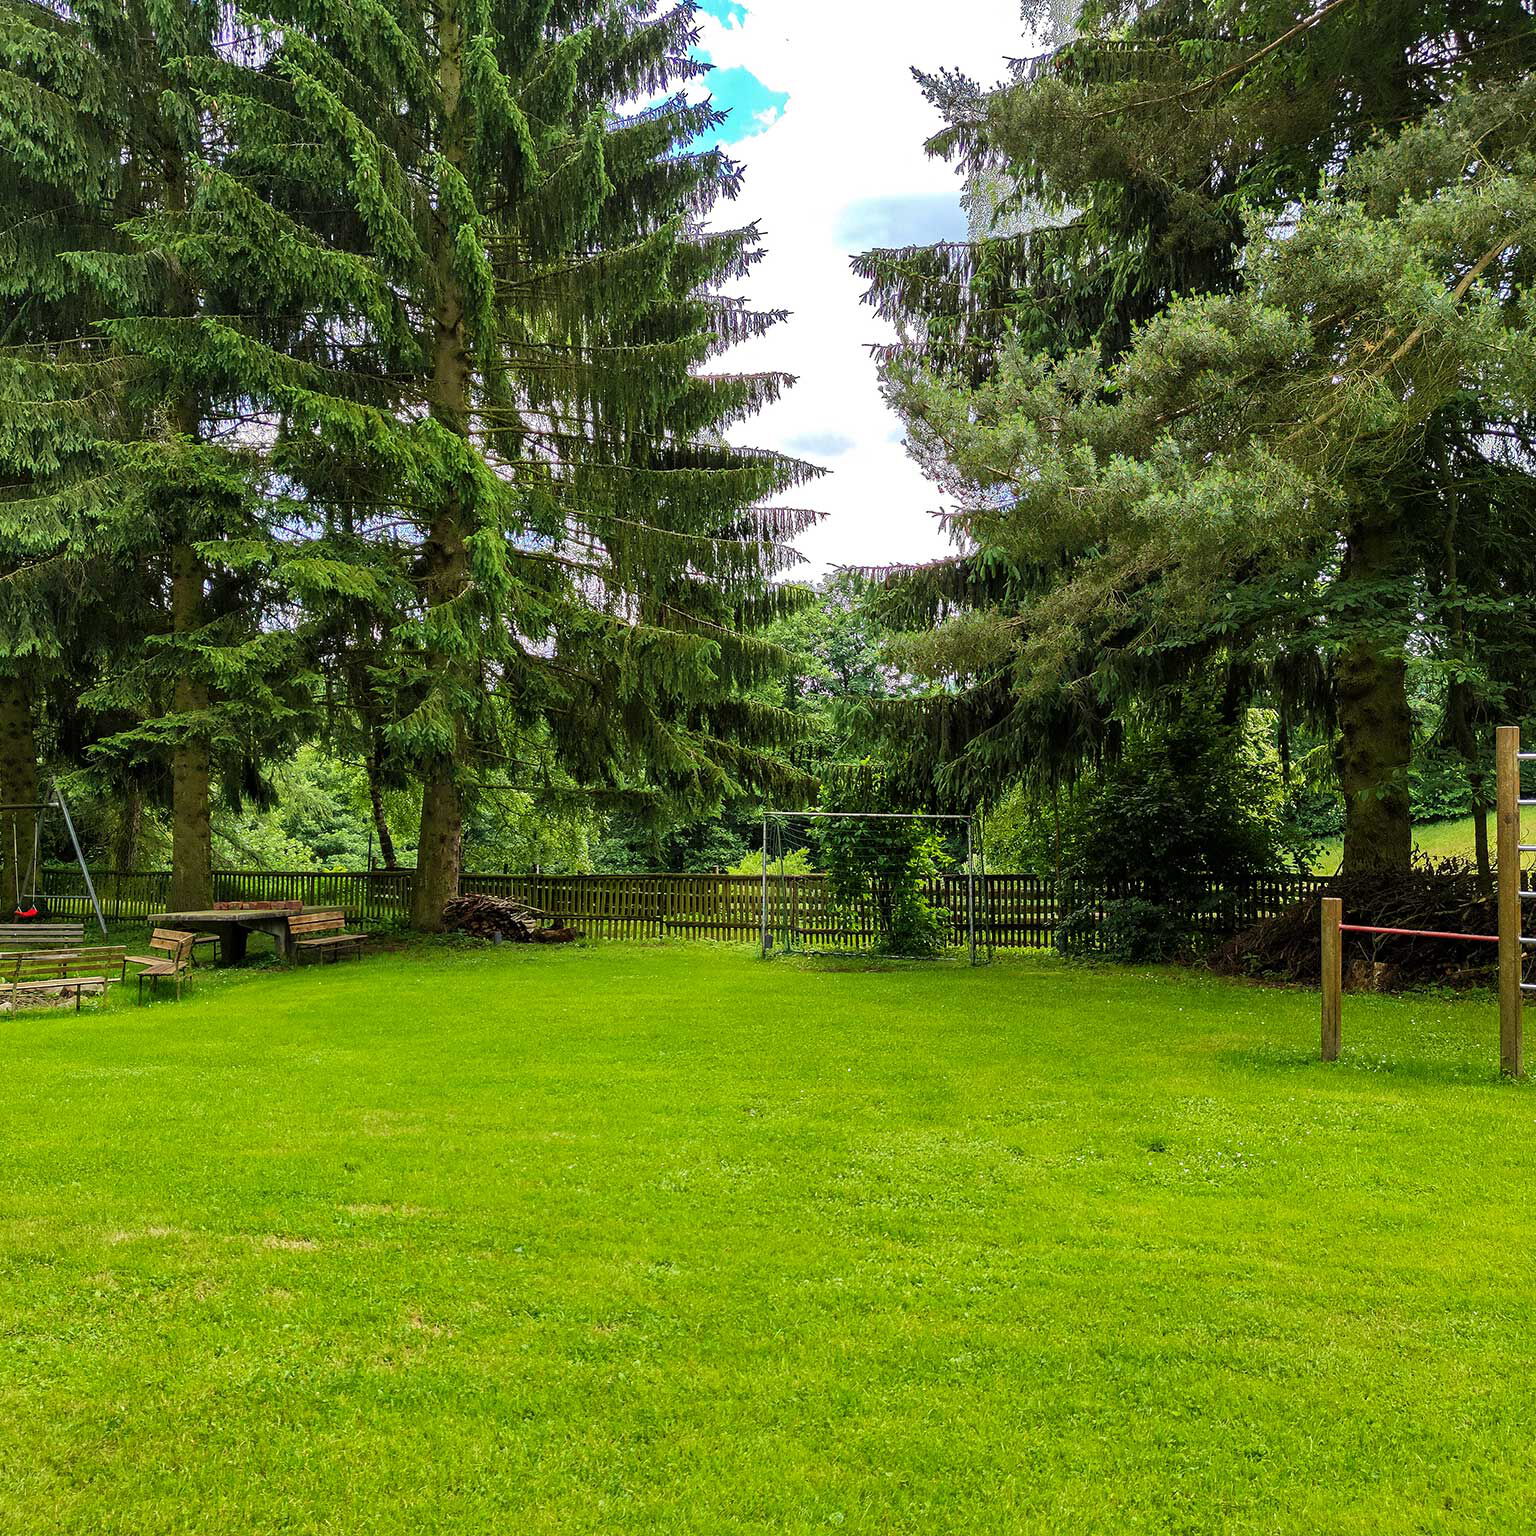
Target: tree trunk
191, 773
1457, 706
1374, 745
1458, 703
387, 854
439, 857
125, 834
445, 557
1480, 831
18, 785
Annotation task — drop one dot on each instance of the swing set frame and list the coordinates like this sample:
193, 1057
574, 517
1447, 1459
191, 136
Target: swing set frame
37, 810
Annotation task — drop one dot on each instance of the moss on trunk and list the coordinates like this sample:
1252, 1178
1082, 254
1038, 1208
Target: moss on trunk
191, 771
18, 782
1374, 744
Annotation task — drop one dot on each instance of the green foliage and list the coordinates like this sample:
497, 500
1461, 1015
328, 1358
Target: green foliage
362, 349
631, 844
1129, 930
1183, 806
876, 866
1180, 805
1242, 393
516, 831
1440, 788
320, 819
836, 665
1180, 810
787, 861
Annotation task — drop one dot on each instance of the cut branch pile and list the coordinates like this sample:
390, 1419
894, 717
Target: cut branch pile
487, 916
1449, 897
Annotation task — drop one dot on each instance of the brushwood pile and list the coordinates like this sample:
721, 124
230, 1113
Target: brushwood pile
1448, 896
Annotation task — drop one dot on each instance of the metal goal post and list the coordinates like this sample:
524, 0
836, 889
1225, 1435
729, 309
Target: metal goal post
796, 913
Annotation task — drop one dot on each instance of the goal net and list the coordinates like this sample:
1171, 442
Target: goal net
898, 884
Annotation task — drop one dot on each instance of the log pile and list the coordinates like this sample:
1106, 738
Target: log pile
487, 917
1447, 896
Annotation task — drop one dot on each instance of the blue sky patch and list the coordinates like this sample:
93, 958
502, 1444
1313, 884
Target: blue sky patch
897, 221
822, 445
752, 105
747, 99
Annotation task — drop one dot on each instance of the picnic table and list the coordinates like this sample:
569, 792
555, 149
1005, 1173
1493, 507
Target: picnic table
234, 926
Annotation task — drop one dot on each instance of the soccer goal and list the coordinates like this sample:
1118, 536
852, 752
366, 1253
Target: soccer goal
883, 883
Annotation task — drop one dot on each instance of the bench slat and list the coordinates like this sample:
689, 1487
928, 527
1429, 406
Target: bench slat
321, 931
62, 965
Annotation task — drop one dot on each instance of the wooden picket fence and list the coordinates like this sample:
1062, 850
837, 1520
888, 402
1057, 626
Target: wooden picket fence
1013, 911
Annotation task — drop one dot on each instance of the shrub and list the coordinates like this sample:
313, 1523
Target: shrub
1131, 930
796, 861
876, 868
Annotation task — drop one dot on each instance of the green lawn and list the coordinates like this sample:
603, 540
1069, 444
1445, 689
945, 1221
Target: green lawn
630, 1239
1438, 839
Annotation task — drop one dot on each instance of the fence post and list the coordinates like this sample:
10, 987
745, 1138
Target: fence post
1511, 954
1333, 975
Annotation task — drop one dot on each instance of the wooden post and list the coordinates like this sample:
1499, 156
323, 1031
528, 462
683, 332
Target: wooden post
1333, 976
1511, 956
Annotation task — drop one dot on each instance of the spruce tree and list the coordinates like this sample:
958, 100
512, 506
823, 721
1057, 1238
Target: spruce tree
128, 430
1150, 152
402, 335
57, 180
510, 401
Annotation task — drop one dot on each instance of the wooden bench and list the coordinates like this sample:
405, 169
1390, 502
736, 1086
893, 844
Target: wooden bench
38, 976
171, 958
48, 935
324, 934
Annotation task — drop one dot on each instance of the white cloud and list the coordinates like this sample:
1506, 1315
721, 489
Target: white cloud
850, 140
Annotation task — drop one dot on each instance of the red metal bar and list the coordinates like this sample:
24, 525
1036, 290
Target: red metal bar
1421, 933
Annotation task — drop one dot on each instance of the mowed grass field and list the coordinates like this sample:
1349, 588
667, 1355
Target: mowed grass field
1436, 840
662, 1239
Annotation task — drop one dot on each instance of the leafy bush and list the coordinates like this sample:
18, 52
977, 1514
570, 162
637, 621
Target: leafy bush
795, 861
1077, 934
876, 868
1187, 803
1132, 931
1440, 786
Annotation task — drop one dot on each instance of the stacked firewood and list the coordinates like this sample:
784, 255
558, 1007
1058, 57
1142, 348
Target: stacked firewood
489, 917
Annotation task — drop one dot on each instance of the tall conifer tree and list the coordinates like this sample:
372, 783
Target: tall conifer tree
515, 404
58, 181
156, 483
1148, 151
409, 320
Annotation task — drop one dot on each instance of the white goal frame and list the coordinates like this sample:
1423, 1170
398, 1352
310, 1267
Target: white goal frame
975, 871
